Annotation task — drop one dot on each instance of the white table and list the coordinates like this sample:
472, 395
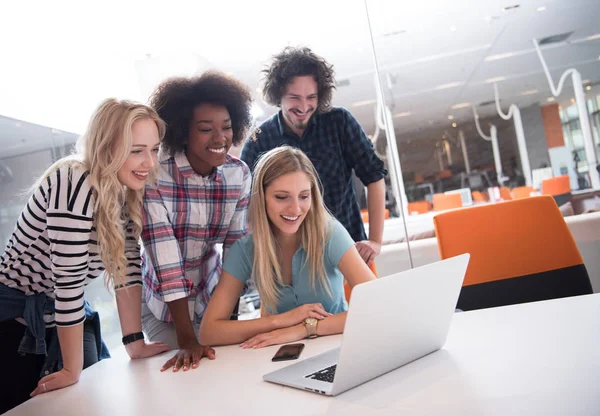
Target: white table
536, 359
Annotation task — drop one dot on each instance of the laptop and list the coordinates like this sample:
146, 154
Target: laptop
391, 321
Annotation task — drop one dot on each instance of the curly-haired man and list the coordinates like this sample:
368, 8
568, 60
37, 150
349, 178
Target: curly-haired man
301, 84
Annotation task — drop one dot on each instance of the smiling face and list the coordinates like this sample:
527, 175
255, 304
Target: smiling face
143, 155
299, 102
210, 138
288, 200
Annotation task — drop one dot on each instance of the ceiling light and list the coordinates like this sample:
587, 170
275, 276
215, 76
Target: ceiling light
365, 102
461, 105
499, 56
450, 117
453, 124
394, 33
588, 88
403, 114
448, 85
259, 90
452, 28
529, 92
550, 99
541, 8
495, 79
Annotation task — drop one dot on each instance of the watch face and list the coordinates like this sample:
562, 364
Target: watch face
310, 321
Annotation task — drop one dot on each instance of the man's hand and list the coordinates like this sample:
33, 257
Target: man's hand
142, 349
189, 356
368, 250
279, 336
55, 381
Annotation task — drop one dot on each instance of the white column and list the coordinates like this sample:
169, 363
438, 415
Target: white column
493, 137
515, 114
463, 146
448, 151
496, 152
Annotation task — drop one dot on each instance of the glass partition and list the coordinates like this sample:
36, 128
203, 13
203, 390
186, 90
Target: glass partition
485, 98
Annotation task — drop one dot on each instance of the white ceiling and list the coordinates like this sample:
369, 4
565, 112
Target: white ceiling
67, 56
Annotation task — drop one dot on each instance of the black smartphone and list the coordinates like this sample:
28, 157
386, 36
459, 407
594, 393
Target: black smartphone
288, 352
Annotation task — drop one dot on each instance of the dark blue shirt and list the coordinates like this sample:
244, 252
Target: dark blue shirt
337, 145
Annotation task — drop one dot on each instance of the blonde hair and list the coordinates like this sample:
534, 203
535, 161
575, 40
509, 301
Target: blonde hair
314, 230
102, 150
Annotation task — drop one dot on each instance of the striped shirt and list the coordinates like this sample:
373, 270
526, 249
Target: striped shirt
54, 248
185, 216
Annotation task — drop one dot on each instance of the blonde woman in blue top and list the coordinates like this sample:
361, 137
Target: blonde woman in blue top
298, 256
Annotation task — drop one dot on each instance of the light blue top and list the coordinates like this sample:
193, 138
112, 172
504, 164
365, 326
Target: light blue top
240, 258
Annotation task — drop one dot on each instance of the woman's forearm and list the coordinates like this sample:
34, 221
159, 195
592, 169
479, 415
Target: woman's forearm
129, 306
332, 325
225, 332
71, 347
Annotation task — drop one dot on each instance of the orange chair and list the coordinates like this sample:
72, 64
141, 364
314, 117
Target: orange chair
444, 174
556, 186
420, 207
521, 251
443, 202
522, 192
505, 193
559, 187
348, 290
479, 196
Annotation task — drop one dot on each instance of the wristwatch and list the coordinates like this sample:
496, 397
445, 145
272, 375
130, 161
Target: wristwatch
311, 327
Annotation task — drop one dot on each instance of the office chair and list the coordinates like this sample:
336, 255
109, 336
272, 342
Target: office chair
521, 251
559, 187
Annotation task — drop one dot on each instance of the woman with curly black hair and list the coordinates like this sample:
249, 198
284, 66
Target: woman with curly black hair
199, 200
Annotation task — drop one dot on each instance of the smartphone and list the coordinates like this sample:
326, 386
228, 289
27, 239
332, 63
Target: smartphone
288, 352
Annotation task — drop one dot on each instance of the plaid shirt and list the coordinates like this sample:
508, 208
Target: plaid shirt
184, 217
337, 145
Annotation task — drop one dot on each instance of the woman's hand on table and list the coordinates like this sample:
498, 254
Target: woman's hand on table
278, 336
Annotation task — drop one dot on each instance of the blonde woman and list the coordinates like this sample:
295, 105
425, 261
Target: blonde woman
297, 255
83, 218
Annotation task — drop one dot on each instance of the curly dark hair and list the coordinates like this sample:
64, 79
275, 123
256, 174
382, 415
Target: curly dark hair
293, 62
176, 98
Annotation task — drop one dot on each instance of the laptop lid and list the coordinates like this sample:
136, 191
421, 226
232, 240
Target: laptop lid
397, 319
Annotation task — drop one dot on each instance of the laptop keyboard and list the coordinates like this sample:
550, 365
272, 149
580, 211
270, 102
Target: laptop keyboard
325, 374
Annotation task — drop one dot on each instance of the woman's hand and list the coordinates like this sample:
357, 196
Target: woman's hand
299, 314
279, 336
142, 349
189, 356
55, 381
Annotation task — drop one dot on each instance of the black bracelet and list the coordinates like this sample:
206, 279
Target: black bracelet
127, 339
